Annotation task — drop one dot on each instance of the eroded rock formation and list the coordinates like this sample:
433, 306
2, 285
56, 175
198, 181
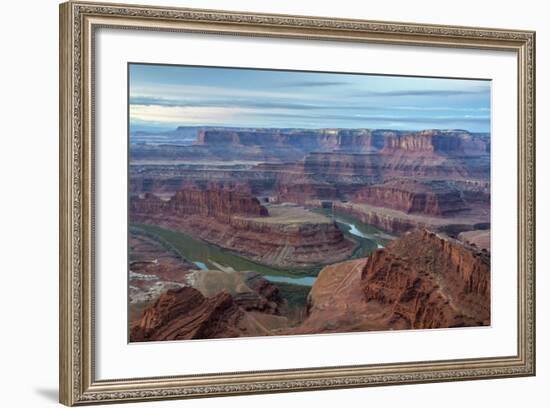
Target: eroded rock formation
218, 305
217, 203
153, 269
296, 165
294, 144
412, 196
290, 236
250, 290
184, 313
448, 142
419, 281
397, 221
250, 191
358, 140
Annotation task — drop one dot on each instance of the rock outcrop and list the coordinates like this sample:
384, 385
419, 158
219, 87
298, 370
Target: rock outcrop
447, 142
153, 269
250, 290
184, 314
307, 139
288, 237
250, 191
300, 190
293, 144
297, 165
358, 140
216, 203
411, 196
478, 238
265, 289
397, 221
419, 281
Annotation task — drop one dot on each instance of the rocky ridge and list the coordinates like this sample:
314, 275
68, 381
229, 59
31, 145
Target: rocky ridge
419, 281
184, 314
362, 140
433, 197
237, 221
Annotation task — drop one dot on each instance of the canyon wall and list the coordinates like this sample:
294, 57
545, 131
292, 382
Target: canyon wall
184, 314
293, 237
357, 140
398, 222
389, 221
296, 165
220, 204
291, 144
305, 139
410, 196
419, 281
449, 142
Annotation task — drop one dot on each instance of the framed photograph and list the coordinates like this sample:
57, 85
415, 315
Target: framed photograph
256, 203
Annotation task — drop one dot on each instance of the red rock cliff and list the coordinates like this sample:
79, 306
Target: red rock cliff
290, 236
452, 142
355, 140
430, 282
419, 281
410, 196
216, 203
184, 313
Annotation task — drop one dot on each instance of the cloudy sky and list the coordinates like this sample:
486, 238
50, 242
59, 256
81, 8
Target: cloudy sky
164, 97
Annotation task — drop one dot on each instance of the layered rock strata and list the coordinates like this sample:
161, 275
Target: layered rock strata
397, 222
218, 305
457, 142
219, 204
294, 165
291, 236
419, 281
250, 290
153, 269
184, 314
437, 198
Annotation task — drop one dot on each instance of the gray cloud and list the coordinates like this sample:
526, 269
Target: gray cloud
235, 102
310, 84
422, 92
385, 118
270, 104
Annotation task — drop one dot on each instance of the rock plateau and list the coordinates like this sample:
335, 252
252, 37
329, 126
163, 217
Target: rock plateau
237, 221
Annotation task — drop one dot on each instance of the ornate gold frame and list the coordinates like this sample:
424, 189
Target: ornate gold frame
78, 22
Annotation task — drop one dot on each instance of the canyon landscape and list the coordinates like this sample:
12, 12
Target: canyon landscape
284, 227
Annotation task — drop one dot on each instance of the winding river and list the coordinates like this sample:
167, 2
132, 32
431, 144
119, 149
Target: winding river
206, 256
354, 231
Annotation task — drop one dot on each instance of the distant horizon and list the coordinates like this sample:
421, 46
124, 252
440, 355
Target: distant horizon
174, 128
163, 97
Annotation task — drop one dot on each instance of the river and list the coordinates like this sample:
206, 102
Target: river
305, 281
206, 256
354, 231
366, 233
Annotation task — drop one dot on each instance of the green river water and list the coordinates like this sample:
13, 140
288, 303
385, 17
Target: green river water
205, 255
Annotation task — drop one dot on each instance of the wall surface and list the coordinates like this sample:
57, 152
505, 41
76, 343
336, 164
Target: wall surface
28, 219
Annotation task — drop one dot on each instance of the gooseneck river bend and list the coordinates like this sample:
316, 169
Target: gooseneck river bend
207, 256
